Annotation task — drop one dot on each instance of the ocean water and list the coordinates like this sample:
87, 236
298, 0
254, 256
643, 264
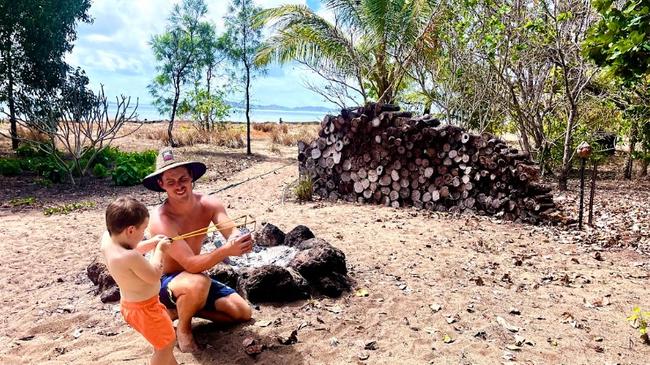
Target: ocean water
149, 112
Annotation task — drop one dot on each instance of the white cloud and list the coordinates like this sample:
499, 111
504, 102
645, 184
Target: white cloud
115, 50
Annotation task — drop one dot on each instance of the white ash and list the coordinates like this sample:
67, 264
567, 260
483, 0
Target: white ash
260, 256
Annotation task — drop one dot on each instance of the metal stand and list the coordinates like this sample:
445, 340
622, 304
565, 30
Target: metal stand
592, 193
582, 191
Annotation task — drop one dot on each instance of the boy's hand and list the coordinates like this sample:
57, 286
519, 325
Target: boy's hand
164, 243
240, 245
157, 238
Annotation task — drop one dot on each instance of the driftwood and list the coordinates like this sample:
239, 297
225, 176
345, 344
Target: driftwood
378, 154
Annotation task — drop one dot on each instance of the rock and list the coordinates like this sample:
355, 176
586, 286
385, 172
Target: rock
333, 285
311, 243
225, 274
106, 281
269, 236
110, 295
271, 283
297, 235
94, 270
323, 265
106, 286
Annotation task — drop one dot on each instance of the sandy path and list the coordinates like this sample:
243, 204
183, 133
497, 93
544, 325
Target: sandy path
475, 268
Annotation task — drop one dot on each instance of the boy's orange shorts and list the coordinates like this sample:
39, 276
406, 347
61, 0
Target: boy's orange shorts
150, 318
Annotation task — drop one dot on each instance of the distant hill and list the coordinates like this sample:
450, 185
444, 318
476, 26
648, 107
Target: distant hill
308, 108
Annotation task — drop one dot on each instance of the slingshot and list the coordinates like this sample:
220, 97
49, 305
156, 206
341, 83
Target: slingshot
244, 221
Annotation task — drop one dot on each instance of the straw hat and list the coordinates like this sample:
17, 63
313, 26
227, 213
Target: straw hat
168, 159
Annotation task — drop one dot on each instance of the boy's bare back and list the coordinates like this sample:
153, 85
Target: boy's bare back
137, 279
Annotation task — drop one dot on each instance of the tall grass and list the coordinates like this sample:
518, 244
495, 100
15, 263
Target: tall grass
189, 136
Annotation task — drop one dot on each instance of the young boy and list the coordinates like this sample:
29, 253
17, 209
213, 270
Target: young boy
139, 279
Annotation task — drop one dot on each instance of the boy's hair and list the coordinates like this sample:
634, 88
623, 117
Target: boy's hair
124, 212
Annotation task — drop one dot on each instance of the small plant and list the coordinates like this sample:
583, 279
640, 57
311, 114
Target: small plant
274, 148
67, 208
19, 202
100, 171
639, 319
44, 182
305, 189
10, 167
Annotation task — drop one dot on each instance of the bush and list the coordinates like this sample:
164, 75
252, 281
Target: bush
10, 167
131, 167
100, 171
305, 189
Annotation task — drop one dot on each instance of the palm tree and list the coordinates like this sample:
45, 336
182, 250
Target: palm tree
366, 50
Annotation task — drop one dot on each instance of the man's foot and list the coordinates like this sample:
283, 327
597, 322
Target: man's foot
173, 314
186, 342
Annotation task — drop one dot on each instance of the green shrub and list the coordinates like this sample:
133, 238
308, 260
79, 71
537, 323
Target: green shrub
29, 150
17, 202
67, 208
131, 167
10, 167
305, 189
100, 171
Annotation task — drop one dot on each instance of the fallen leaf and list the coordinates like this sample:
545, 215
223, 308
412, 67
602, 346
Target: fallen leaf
447, 339
289, 340
77, 333
334, 341
372, 345
263, 323
27, 338
362, 293
507, 325
435, 307
363, 356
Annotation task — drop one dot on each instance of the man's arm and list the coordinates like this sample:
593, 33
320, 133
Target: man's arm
193, 263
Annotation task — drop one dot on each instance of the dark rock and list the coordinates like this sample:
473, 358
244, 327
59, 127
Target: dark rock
105, 281
111, 294
93, 270
310, 243
271, 283
297, 235
225, 274
333, 285
269, 236
323, 265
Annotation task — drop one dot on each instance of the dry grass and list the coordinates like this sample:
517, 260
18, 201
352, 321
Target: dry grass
187, 135
275, 149
270, 127
290, 137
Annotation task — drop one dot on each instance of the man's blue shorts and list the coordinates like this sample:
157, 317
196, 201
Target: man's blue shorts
217, 290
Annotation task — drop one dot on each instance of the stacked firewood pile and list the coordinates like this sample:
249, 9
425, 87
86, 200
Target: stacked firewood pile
379, 154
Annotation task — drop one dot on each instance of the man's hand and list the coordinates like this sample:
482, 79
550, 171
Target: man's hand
240, 245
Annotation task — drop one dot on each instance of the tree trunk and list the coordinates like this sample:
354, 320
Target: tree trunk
171, 121
563, 177
248, 118
633, 139
12, 105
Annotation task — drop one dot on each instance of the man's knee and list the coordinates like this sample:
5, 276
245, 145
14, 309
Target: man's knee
195, 286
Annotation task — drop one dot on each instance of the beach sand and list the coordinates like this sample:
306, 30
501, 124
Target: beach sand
428, 277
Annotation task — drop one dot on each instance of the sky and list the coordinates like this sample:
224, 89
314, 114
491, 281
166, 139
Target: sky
114, 51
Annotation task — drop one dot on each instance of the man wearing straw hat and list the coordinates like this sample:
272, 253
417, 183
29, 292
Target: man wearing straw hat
184, 286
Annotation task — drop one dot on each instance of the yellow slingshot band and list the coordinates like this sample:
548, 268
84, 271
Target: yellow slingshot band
243, 221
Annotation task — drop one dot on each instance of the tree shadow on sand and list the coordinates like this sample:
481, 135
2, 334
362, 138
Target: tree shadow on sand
224, 345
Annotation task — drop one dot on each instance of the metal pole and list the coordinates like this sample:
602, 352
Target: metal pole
582, 191
592, 193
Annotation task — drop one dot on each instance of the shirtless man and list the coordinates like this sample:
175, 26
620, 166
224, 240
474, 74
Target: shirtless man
184, 286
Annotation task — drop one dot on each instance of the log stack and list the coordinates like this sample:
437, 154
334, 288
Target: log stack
381, 155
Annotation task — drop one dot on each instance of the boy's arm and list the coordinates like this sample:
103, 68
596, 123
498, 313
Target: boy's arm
149, 272
145, 246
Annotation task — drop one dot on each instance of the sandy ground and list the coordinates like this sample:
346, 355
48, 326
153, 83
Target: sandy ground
429, 278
